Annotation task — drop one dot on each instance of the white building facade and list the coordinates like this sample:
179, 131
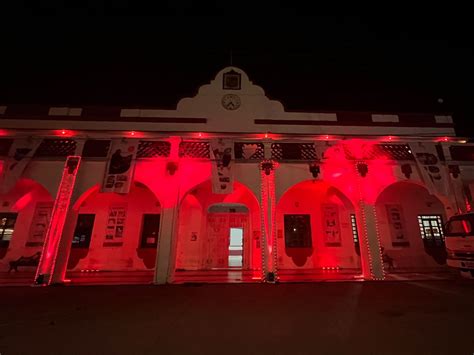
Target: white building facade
229, 187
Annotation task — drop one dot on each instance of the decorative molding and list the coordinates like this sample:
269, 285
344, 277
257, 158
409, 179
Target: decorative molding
443, 119
385, 118
65, 111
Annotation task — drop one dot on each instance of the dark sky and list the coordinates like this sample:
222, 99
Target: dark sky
388, 59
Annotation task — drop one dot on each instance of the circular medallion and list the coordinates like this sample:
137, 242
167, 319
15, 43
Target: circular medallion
230, 102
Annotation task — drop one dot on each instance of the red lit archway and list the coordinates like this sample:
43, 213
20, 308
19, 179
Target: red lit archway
114, 233
25, 212
314, 223
410, 223
205, 221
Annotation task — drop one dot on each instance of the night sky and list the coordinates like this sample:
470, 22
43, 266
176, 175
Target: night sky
390, 59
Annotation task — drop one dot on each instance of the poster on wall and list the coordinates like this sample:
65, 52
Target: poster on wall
20, 154
115, 223
397, 226
39, 224
222, 175
120, 167
331, 227
433, 172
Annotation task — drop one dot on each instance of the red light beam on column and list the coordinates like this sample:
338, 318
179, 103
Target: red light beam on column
49, 254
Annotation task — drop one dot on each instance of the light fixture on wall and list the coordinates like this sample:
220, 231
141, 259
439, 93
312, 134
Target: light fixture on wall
407, 170
362, 168
267, 166
314, 169
171, 167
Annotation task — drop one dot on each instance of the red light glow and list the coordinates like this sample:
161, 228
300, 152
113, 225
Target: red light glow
340, 169
23, 201
64, 133
49, 253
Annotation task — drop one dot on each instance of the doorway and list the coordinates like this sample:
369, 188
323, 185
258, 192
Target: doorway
236, 247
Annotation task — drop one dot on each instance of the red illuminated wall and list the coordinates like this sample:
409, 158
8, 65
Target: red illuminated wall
340, 169
193, 217
414, 200
307, 198
139, 201
23, 199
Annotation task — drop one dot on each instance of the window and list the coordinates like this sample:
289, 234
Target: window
459, 226
150, 230
431, 229
231, 80
355, 233
297, 231
83, 231
7, 227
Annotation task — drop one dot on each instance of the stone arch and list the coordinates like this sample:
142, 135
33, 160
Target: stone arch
322, 235
26, 211
198, 227
398, 208
117, 240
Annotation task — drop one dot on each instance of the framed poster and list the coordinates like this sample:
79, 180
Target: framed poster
115, 223
39, 224
120, 167
331, 227
397, 225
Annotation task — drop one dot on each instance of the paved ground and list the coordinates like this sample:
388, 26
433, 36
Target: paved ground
420, 317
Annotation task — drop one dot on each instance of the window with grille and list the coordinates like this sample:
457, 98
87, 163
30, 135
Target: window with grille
431, 229
96, 148
191, 149
355, 233
53, 148
153, 149
150, 230
397, 151
293, 151
83, 232
381, 151
297, 231
249, 151
7, 227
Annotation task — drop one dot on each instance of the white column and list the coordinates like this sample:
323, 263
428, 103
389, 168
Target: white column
52, 263
266, 257
371, 256
165, 255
